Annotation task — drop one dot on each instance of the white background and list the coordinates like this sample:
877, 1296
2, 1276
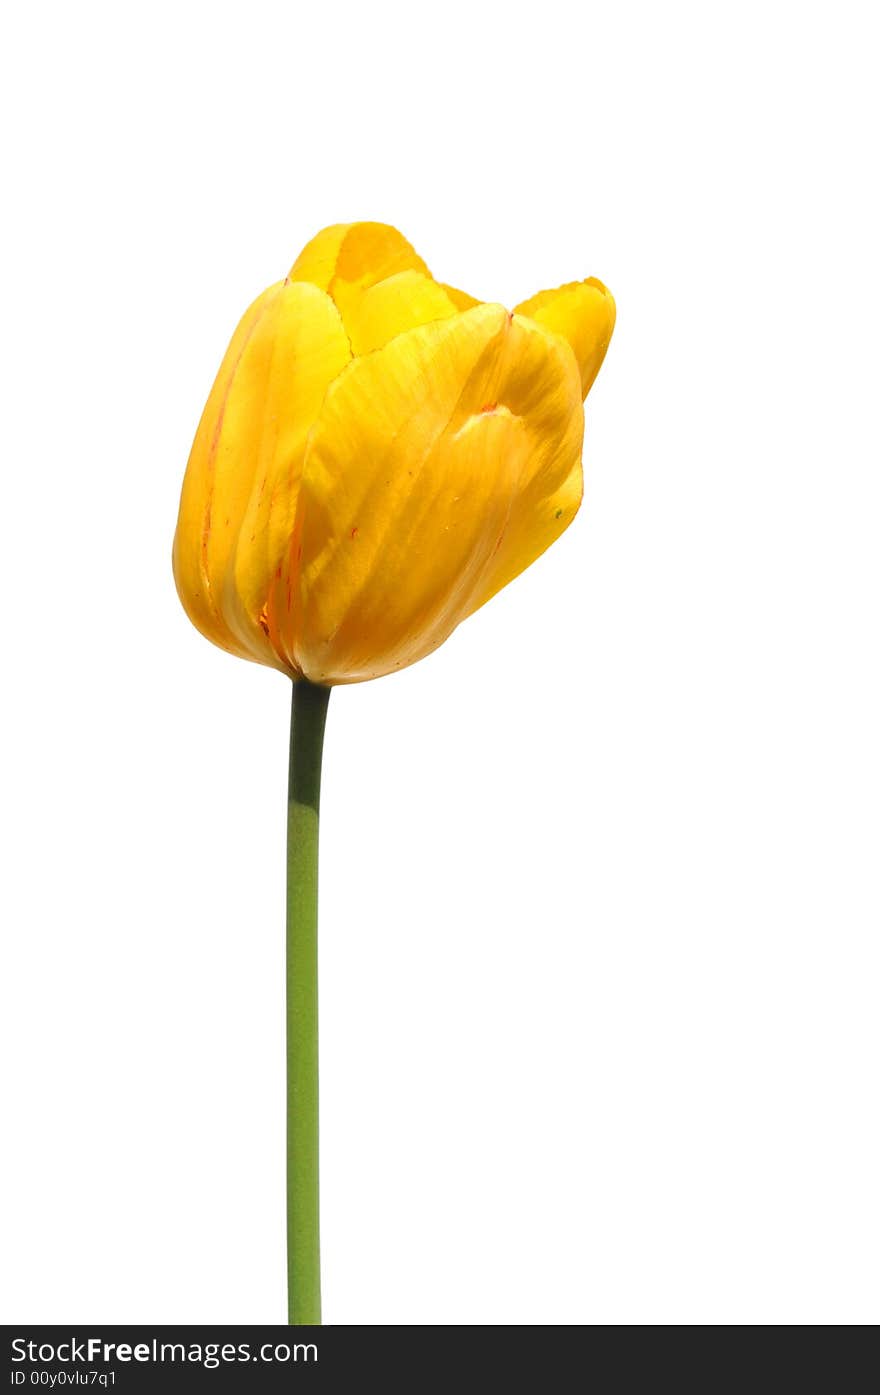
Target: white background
599, 967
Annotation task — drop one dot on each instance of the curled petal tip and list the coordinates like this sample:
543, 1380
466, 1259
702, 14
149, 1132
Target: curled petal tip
581, 312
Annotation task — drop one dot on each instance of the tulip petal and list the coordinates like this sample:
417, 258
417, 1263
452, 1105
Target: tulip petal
541, 384
380, 284
193, 536
357, 253
401, 503
378, 314
426, 486
583, 313
240, 491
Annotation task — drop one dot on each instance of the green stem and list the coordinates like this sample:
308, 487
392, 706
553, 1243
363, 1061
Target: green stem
307, 717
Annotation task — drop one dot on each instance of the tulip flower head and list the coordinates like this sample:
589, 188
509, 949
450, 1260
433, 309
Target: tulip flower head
379, 455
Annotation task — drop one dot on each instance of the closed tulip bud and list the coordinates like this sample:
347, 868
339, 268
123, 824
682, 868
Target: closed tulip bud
380, 454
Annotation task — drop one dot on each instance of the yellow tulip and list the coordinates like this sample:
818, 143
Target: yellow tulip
380, 453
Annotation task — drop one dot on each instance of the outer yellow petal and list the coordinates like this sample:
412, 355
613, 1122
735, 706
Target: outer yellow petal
311, 349
398, 303
358, 253
426, 457
583, 313
540, 382
193, 536
240, 491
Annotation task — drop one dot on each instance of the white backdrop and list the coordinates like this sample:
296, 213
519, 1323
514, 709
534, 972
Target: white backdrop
599, 920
